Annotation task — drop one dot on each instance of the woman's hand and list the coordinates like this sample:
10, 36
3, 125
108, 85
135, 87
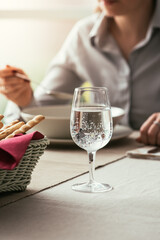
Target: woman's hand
150, 130
15, 88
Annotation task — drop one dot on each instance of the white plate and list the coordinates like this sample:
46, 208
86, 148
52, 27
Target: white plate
119, 133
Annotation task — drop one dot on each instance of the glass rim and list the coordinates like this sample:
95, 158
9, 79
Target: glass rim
91, 88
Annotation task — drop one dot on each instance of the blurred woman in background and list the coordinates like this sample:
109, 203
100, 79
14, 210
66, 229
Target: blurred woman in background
117, 48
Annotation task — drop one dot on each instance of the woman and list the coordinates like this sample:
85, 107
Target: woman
117, 48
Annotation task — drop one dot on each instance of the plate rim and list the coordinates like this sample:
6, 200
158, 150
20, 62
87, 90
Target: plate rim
126, 131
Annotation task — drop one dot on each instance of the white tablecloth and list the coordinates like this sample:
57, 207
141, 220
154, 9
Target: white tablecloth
63, 162
130, 212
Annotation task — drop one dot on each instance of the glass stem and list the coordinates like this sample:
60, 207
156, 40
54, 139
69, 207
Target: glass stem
92, 156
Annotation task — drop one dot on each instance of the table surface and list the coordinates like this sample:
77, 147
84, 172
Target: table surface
130, 211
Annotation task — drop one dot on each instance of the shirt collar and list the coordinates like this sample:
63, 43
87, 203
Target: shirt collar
155, 23
100, 36
97, 27
156, 15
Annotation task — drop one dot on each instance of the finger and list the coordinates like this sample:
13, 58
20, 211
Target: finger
138, 139
15, 87
12, 81
12, 90
17, 76
158, 139
2, 81
9, 88
6, 72
152, 134
157, 126
15, 69
2, 89
157, 121
10, 70
14, 96
145, 127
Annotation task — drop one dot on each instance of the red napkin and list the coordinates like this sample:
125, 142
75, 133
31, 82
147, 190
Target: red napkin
13, 149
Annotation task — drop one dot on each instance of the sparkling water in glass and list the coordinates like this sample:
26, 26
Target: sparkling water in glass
91, 129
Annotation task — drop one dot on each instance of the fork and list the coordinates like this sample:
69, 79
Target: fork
56, 94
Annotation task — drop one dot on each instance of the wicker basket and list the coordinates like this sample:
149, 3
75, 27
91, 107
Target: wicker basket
18, 178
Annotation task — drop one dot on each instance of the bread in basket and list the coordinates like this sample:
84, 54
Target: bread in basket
18, 178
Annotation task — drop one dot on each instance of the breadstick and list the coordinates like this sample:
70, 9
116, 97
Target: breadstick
1, 116
10, 130
1, 125
27, 126
9, 125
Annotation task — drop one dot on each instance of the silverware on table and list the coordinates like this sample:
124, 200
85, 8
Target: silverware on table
145, 152
60, 95
20, 75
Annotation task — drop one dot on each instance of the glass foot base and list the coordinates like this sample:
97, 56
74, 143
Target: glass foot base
93, 187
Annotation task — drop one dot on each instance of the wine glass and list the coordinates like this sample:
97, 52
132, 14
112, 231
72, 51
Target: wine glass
91, 129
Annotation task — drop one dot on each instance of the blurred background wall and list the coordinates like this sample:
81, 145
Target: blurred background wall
32, 32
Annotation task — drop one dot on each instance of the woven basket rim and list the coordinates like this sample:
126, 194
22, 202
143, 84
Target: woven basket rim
44, 139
